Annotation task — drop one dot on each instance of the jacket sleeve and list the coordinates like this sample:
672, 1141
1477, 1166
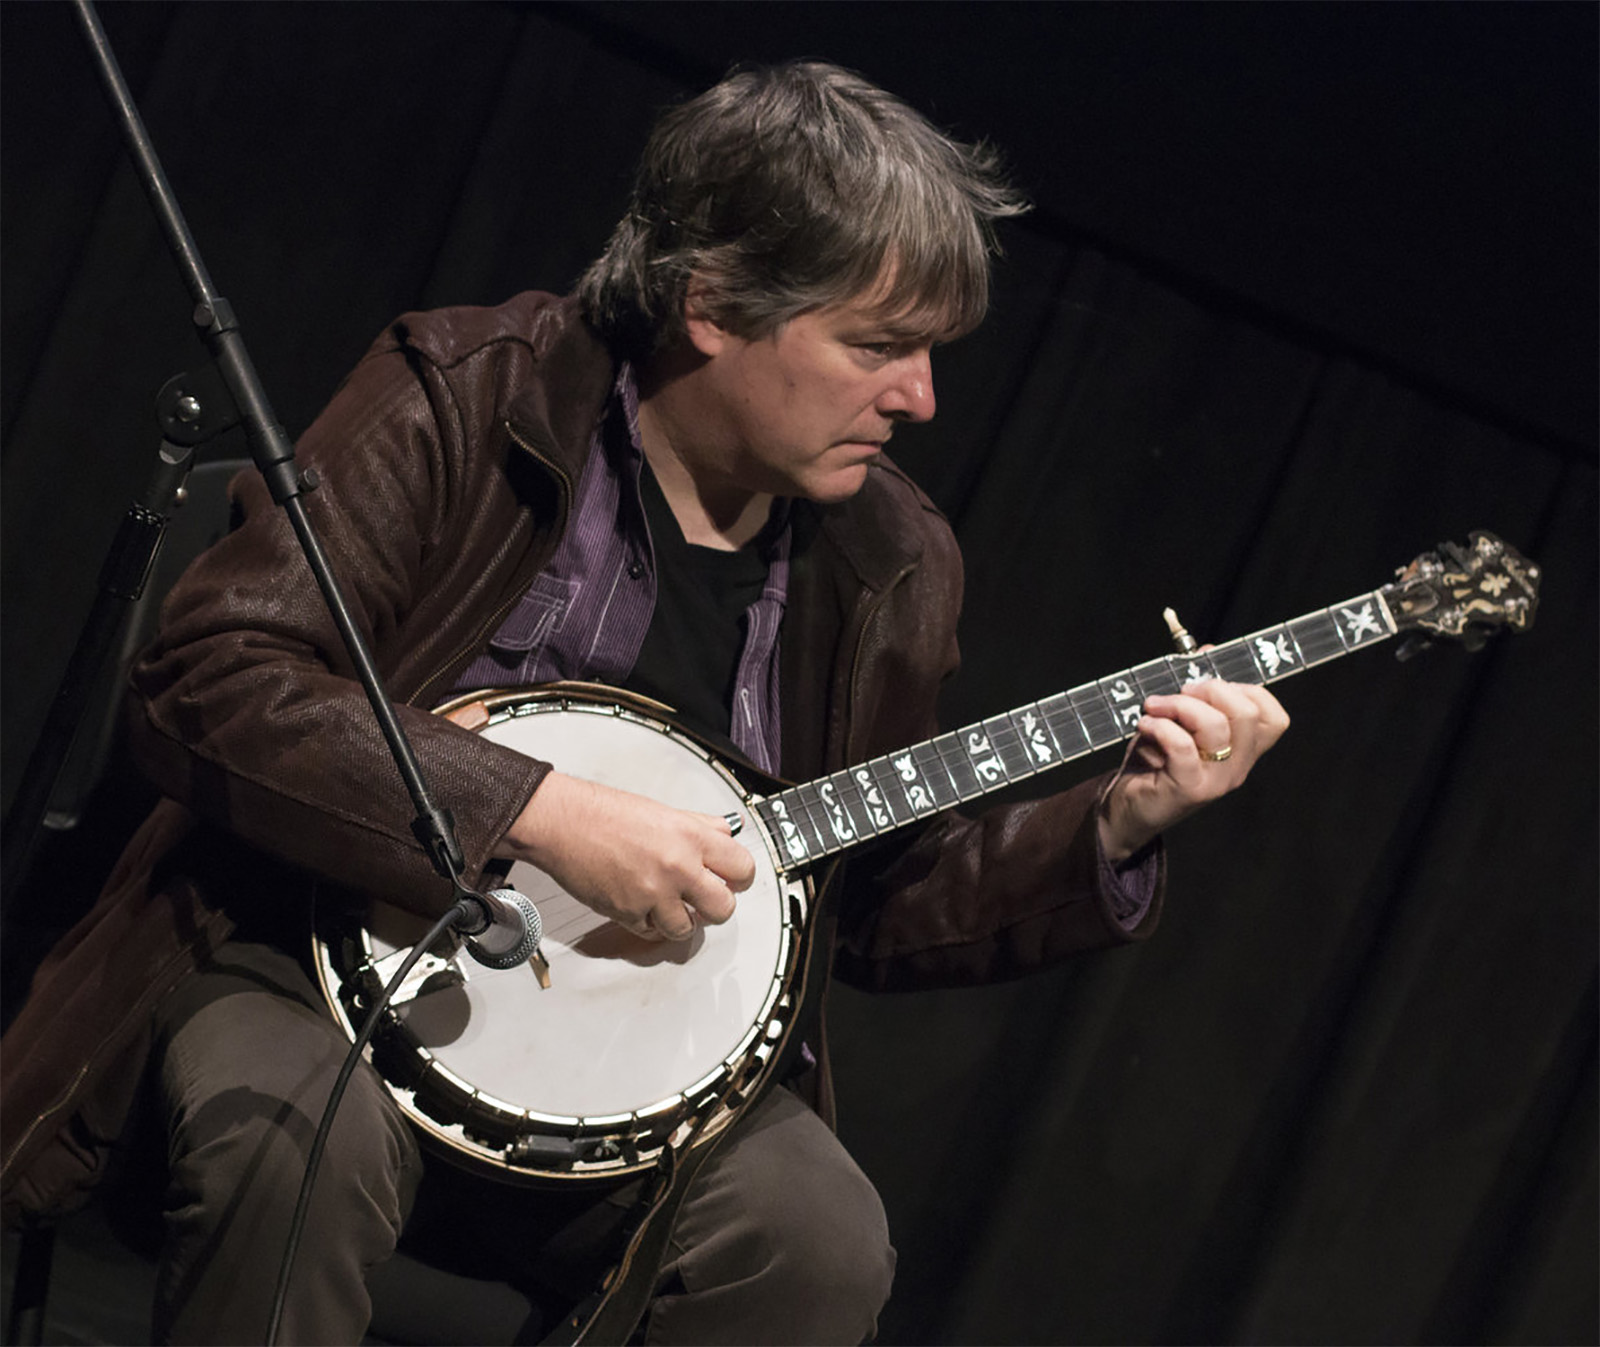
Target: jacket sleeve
247, 708
980, 898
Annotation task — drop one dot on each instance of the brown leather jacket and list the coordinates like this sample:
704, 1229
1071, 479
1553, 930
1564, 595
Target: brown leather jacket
446, 466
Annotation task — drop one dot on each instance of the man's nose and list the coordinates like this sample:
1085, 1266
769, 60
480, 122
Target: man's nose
909, 397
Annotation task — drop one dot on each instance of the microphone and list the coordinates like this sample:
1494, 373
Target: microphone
509, 931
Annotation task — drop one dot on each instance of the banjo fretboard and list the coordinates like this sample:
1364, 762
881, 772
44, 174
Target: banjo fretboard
855, 805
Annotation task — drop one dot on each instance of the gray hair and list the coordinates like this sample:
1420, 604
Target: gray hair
790, 188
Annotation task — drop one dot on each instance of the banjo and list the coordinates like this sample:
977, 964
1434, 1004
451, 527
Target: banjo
605, 1050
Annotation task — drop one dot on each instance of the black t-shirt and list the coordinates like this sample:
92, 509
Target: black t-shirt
690, 655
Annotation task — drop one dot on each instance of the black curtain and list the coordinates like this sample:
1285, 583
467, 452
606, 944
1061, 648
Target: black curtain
1309, 289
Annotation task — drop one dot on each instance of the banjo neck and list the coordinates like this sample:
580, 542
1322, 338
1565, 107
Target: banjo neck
1461, 593
849, 807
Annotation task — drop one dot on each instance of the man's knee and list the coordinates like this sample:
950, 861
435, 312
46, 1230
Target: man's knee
246, 1079
244, 1138
829, 1243
244, 1117
785, 1240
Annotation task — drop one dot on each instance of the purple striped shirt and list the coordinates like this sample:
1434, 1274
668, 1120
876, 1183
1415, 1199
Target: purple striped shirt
586, 614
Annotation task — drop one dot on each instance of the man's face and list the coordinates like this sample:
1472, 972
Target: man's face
804, 410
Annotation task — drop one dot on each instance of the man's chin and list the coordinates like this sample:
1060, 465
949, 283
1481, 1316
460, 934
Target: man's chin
837, 486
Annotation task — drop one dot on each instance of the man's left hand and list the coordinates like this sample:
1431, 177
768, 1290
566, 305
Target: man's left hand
1190, 749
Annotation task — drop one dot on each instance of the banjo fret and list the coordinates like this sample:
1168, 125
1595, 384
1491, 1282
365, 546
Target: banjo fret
834, 796
810, 807
1039, 745
847, 794
1195, 667
1237, 663
960, 763
1066, 727
1317, 636
1156, 678
887, 781
1124, 702
870, 787
934, 775
1015, 762
1100, 722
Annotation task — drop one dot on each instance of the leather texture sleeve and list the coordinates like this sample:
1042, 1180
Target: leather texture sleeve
249, 712
966, 899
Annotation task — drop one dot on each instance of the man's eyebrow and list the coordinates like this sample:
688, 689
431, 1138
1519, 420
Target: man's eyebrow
902, 330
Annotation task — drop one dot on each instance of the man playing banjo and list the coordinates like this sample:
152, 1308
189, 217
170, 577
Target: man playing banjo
673, 482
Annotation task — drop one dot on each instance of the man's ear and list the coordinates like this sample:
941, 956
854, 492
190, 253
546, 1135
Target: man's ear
705, 334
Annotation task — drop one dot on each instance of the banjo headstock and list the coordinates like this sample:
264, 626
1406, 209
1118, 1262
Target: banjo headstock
1464, 593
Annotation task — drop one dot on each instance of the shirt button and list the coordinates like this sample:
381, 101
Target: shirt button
635, 569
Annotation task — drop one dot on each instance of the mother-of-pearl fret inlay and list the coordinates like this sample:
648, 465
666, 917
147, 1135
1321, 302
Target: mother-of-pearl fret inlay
1036, 736
985, 761
838, 820
826, 816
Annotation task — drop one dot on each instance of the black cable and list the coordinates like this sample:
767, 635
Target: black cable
459, 912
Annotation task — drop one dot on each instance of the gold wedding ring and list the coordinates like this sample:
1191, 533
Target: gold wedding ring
1221, 755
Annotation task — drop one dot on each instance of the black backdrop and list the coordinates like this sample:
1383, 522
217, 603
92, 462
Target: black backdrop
1308, 289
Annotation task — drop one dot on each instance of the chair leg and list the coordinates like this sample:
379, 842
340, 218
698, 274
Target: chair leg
31, 1286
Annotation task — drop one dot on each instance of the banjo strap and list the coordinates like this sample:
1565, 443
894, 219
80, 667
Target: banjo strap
610, 1314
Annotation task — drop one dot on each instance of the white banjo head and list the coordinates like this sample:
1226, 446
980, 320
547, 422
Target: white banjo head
590, 1075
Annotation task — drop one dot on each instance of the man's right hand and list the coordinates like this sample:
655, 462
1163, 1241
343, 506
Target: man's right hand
653, 869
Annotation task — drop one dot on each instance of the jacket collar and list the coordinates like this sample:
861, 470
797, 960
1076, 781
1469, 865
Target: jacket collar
554, 414
875, 531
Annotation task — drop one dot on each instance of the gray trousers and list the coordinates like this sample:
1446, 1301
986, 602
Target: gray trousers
781, 1238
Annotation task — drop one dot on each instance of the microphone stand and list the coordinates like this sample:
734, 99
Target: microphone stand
270, 449
274, 457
